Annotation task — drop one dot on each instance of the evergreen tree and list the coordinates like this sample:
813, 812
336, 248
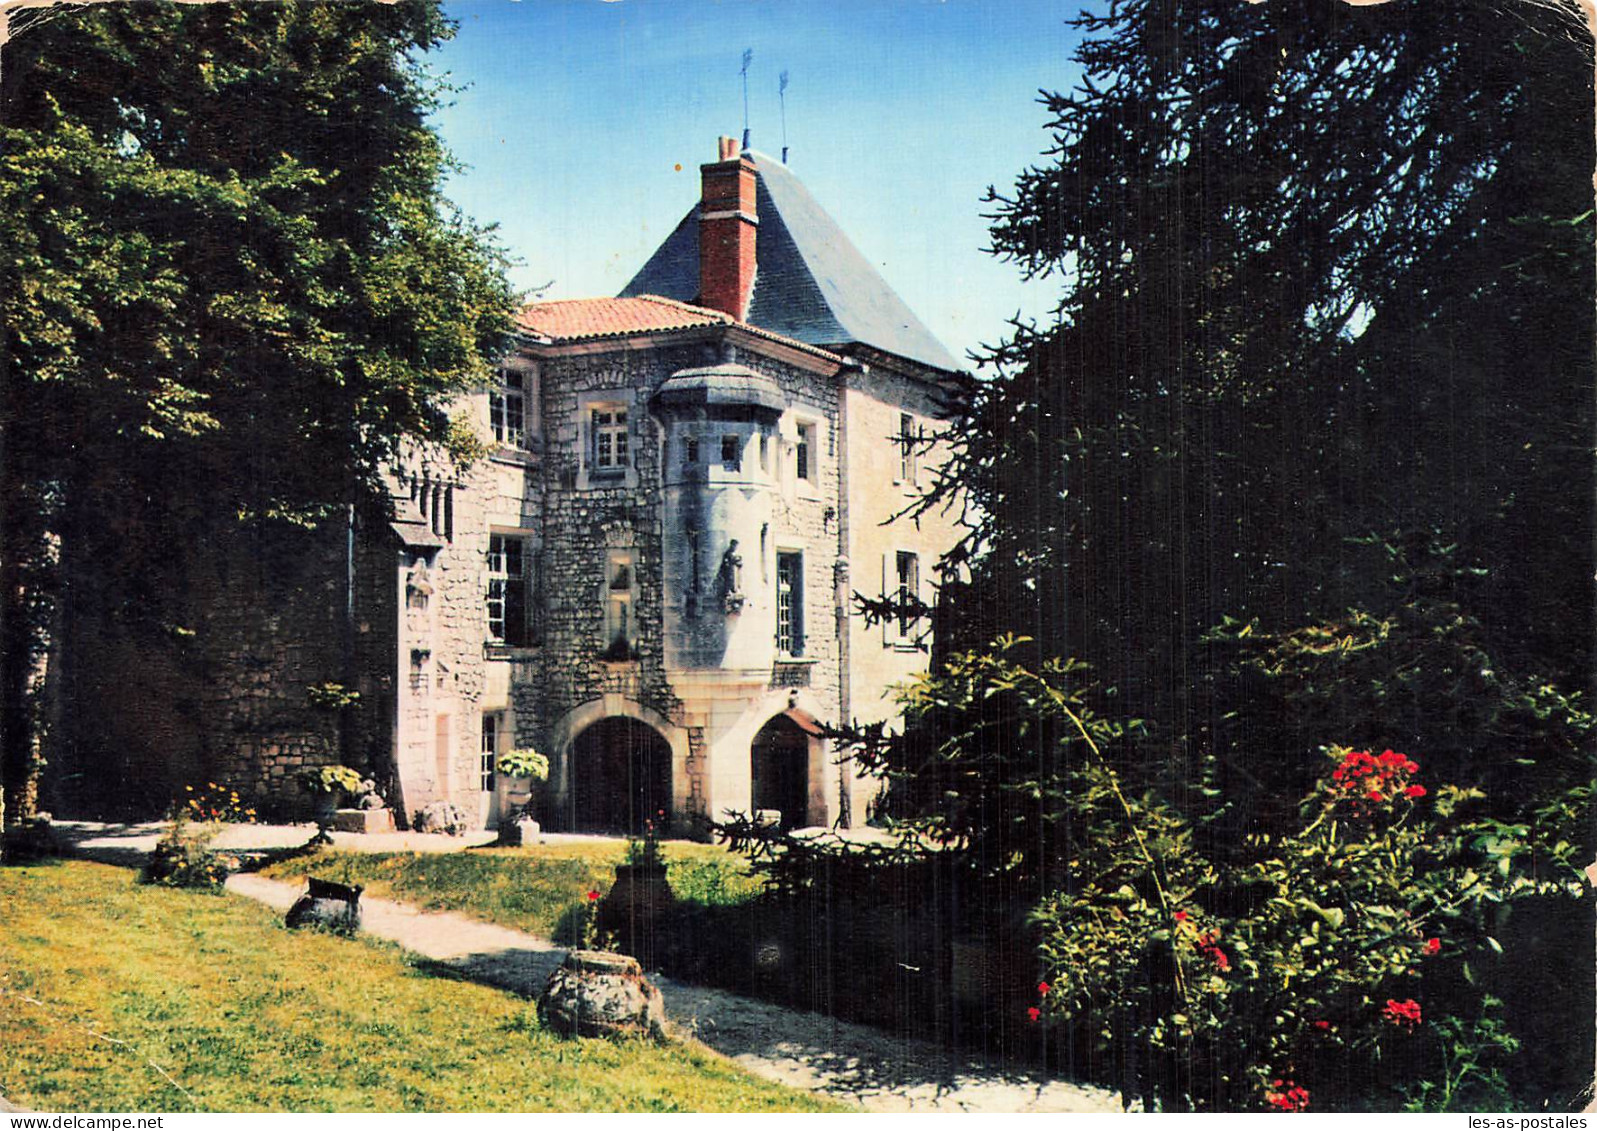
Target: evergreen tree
1304, 459
1326, 274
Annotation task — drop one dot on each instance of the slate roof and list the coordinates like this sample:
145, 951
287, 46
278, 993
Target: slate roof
724, 384
810, 282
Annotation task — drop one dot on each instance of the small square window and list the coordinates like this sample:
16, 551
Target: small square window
731, 455
692, 451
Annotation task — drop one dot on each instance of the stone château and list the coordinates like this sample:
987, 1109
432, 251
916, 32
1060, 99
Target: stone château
649, 578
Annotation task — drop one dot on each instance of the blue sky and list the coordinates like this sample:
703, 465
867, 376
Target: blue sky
584, 123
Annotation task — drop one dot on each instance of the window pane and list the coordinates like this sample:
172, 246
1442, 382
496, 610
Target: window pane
496, 608
515, 612
789, 604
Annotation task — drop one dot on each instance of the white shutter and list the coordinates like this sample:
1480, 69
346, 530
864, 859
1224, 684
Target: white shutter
924, 590
889, 583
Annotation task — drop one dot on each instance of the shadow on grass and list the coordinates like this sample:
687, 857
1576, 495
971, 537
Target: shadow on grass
521, 970
13, 859
256, 860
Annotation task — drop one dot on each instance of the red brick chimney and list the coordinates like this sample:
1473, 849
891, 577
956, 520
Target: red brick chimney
727, 225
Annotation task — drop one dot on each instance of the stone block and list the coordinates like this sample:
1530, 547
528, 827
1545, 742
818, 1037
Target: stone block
363, 821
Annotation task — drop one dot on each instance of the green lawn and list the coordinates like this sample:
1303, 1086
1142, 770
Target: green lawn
248, 1016
539, 889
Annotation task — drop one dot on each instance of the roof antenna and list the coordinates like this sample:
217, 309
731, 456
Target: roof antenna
781, 93
748, 57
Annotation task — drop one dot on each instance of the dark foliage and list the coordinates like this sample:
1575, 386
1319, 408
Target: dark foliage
231, 289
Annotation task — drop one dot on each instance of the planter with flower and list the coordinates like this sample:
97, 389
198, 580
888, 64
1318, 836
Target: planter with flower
516, 777
597, 992
328, 786
641, 893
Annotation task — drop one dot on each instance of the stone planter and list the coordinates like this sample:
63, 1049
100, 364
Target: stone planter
640, 895
363, 821
515, 834
510, 795
598, 994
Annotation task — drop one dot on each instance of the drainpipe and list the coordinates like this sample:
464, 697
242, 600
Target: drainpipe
349, 631
843, 590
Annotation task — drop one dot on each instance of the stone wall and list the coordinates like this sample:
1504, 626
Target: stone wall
224, 696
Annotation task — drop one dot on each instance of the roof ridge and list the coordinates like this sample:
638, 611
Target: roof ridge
678, 304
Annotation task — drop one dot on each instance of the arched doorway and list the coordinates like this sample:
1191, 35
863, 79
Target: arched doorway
620, 777
780, 756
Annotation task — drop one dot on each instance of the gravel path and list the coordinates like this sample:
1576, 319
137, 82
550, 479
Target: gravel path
853, 1063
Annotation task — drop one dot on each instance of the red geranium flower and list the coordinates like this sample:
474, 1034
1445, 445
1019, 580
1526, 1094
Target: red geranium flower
1374, 795
593, 897
1042, 987
1432, 946
1404, 1014
1181, 916
1322, 1025
1034, 1014
1414, 791
1294, 1098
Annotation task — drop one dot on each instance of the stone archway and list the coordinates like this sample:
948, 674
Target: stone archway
780, 767
620, 776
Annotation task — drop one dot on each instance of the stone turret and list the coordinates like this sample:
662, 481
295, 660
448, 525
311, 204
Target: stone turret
719, 482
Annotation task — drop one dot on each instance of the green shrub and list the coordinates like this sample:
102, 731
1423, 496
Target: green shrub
1300, 978
183, 857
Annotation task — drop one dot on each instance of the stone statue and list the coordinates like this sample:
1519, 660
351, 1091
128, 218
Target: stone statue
731, 578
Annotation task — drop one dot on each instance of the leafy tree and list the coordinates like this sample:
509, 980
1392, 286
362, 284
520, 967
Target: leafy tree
231, 289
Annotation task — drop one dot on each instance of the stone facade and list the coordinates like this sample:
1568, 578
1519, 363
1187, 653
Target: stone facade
649, 579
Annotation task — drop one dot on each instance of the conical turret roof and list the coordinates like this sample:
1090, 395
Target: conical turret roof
810, 282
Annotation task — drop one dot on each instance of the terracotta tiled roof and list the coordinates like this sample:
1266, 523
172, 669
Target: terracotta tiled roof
575, 319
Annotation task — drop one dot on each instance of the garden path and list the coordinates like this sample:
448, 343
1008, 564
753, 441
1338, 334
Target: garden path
854, 1063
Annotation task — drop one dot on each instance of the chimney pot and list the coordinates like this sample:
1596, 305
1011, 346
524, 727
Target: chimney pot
726, 148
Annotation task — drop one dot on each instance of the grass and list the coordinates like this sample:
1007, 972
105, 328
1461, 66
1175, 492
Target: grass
247, 1016
539, 889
